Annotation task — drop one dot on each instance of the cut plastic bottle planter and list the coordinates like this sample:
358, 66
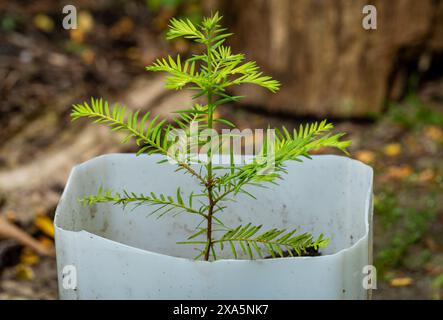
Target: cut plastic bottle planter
107, 252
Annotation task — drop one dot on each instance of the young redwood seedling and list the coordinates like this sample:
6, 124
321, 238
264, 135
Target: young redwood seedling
209, 75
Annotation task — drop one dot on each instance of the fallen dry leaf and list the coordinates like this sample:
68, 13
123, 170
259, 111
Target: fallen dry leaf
88, 56
392, 149
398, 172
365, 156
76, 35
85, 21
43, 23
46, 242
123, 27
426, 176
85, 24
29, 258
24, 272
434, 133
401, 282
45, 225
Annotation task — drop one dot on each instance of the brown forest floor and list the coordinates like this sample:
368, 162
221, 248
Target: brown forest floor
44, 70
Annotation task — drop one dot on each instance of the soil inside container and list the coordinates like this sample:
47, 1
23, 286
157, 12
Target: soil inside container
310, 252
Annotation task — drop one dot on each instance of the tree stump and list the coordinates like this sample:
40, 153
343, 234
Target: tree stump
328, 63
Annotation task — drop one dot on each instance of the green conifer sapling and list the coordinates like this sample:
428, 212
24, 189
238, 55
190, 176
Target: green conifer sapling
209, 75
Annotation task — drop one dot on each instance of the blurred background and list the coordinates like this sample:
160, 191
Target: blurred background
384, 87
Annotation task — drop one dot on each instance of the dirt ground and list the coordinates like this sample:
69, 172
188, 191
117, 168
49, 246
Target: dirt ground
408, 263
45, 70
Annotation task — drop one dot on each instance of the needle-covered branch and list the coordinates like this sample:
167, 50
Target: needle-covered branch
221, 69
286, 147
149, 133
164, 204
276, 242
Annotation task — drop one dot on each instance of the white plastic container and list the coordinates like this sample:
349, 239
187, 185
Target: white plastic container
113, 253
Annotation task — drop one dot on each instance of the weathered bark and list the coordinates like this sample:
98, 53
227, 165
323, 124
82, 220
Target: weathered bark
328, 63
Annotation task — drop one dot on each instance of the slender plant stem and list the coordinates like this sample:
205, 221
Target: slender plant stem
209, 154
